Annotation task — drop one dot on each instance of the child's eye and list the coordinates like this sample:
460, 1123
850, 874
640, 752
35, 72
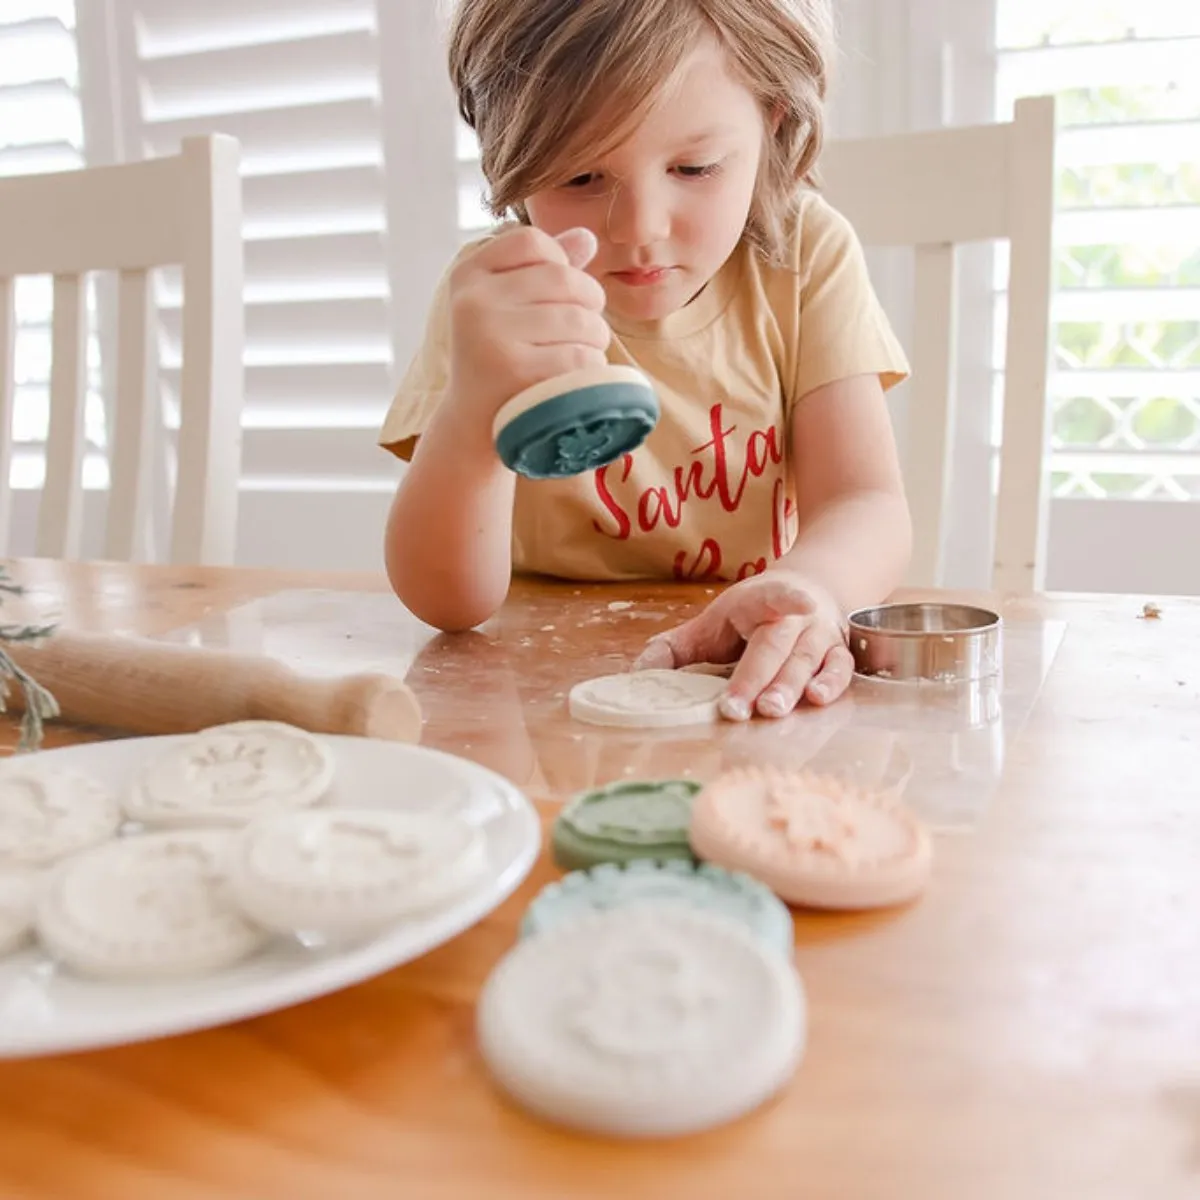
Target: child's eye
583, 181
698, 172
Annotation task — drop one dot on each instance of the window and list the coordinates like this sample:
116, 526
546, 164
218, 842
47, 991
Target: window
1126, 389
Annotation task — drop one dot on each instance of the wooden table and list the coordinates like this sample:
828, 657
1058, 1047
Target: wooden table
1030, 1029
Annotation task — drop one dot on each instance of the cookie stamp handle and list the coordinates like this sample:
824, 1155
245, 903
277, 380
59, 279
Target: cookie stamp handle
147, 687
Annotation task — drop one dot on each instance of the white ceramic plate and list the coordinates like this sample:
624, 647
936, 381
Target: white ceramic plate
46, 1010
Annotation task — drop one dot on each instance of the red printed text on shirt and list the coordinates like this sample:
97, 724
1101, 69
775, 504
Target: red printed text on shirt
715, 472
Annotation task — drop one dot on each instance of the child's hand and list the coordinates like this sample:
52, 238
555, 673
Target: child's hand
789, 634
523, 310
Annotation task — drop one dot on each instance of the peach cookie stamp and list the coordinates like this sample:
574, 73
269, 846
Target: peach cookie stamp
48, 812
816, 841
344, 873
151, 907
643, 1021
647, 699
230, 774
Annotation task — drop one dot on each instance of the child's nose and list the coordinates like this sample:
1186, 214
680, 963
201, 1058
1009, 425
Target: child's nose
639, 216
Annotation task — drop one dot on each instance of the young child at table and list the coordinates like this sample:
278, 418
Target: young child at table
656, 160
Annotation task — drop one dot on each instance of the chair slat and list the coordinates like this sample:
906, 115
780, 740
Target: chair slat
60, 514
1022, 515
212, 381
931, 410
132, 439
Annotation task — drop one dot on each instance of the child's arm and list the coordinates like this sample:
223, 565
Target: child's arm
855, 535
448, 540
520, 310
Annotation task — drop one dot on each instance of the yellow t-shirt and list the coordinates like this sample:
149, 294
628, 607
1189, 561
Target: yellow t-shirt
709, 494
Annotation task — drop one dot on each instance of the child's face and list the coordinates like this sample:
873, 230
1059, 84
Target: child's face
669, 205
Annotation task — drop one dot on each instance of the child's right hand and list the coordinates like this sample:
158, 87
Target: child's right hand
522, 310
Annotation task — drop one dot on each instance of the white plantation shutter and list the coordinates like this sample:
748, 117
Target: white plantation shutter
40, 130
344, 228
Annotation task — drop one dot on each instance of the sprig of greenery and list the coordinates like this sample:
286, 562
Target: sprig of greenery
40, 705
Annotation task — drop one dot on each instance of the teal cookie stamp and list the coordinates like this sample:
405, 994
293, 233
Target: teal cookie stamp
576, 422
704, 886
624, 821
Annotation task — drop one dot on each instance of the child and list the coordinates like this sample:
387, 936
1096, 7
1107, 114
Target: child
657, 156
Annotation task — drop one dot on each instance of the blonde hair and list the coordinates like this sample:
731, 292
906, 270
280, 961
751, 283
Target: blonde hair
528, 74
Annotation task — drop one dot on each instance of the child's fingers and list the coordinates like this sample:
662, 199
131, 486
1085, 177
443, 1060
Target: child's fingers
732, 620
767, 649
528, 246
658, 655
833, 678
580, 245
773, 597
783, 693
554, 283
703, 639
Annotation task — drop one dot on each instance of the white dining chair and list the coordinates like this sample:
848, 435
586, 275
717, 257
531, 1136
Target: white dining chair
934, 191
133, 218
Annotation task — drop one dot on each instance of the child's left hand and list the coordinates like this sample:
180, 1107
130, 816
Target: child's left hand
790, 636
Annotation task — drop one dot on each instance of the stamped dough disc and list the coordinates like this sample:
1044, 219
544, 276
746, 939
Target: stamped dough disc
339, 873
647, 699
713, 889
230, 774
647, 1021
816, 841
149, 907
625, 820
18, 895
48, 812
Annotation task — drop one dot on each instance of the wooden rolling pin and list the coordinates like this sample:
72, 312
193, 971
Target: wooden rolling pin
156, 687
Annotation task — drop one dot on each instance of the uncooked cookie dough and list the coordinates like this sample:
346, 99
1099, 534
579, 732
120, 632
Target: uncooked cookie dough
648, 699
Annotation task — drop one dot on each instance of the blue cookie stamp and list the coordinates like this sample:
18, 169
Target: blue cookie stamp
611, 885
576, 422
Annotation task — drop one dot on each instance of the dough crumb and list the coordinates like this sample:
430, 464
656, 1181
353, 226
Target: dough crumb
1150, 612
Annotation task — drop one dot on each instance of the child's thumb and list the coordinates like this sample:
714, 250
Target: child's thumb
580, 246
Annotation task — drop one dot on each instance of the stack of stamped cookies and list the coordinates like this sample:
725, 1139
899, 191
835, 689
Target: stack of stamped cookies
654, 990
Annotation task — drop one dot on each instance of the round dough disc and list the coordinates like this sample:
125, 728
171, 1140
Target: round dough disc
18, 897
48, 812
150, 907
344, 873
644, 1021
230, 774
648, 699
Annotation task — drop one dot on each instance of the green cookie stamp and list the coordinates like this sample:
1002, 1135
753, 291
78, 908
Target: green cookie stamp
610, 885
624, 821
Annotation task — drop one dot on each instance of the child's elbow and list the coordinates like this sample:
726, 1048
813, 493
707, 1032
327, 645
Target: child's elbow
443, 604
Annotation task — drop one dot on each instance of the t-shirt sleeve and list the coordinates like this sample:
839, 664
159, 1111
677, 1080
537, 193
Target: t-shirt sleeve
843, 329
424, 383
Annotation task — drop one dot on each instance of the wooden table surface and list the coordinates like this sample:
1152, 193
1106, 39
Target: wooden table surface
1029, 1029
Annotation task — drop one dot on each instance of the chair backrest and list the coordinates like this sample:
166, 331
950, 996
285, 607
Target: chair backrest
185, 211
933, 191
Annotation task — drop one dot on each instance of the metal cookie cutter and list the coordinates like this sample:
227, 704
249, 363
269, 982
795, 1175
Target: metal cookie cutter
945, 643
